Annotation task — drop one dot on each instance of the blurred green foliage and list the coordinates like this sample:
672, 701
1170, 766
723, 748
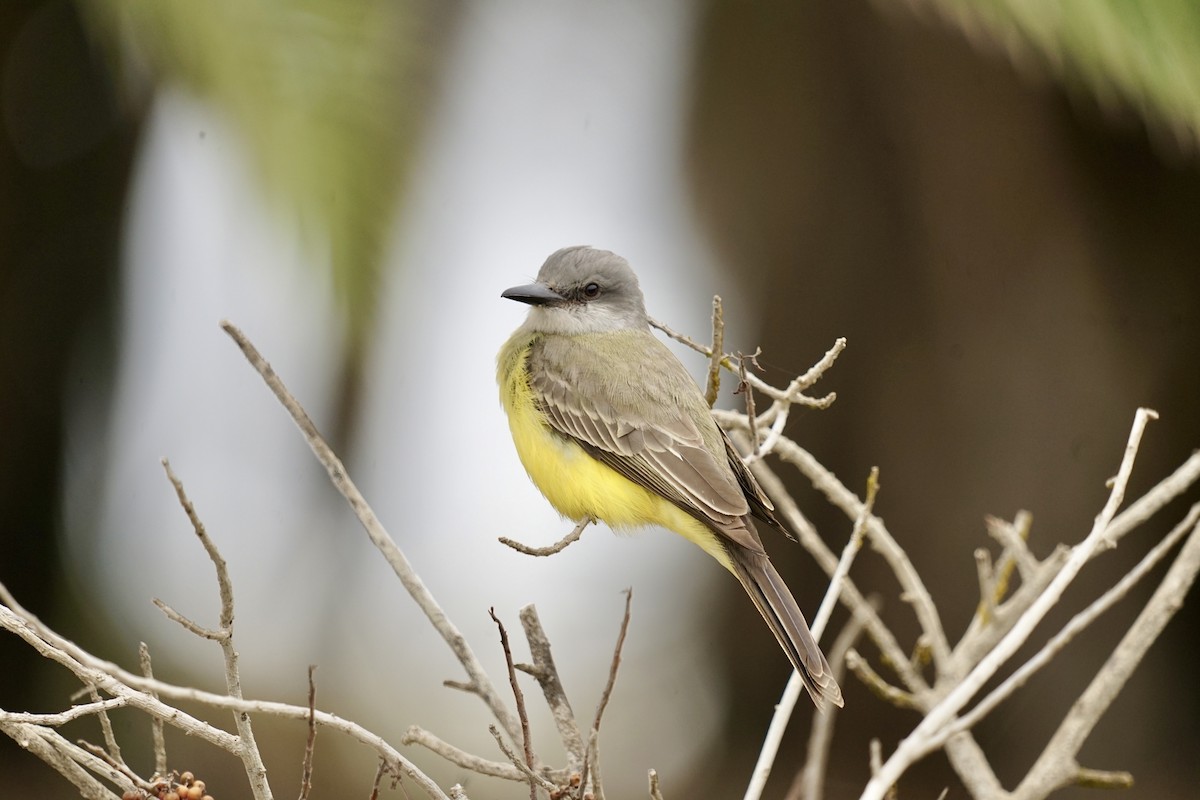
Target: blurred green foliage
323, 91
1144, 54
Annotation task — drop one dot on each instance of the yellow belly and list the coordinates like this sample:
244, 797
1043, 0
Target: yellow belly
576, 484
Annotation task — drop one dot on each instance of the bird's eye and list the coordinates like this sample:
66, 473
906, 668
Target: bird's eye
592, 290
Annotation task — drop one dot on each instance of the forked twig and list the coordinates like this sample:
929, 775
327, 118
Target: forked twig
917, 743
479, 683
256, 771
545, 673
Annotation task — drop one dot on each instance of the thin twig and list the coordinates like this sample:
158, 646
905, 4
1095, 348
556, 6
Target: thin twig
655, 792
987, 584
591, 759
751, 416
380, 771
256, 770
63, 717
549, 550
879, 687
716, 352
848, 554
1102, 779
851, 597
533, 778
792, 692
1011, 536
916, 744
190, 625
875, 756
546, 673
461, 758
809, 783
1077, 624
1056, 766
106, 729
683, 339
135, 689
115, 763
310, 743
54, 750
912, 587
156, 724
481, 684
15, 621
791, 394
519, 696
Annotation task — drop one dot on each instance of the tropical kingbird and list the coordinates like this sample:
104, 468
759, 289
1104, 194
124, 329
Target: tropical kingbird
610, 426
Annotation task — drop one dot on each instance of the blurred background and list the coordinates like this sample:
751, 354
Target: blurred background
995, 202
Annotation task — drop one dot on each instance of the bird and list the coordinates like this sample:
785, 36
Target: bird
611, 427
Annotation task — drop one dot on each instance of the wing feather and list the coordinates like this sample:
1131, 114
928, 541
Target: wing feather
662, 437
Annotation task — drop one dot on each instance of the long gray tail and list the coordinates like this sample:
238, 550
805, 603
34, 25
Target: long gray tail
770, 594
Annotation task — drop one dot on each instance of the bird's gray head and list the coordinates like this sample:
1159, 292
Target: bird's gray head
582, 290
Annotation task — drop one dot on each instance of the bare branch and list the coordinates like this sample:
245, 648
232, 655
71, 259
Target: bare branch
106, 729
987, 584
716, 353
113, 763
135, 688
793, 392
461, 758
66, 758
850, 595
188, 624
379, 535
1152, 501
916, 744
1077, 624
795, 686
15, 621
591, 758
655, 792
546, 674
519, 696
532, 777
256, 770
809, 783
156, 725
379, 773
1012, 536
912, 587
63, 717
878, 686
1102, 779
310, 743
550, 550
751, 416
1056, 766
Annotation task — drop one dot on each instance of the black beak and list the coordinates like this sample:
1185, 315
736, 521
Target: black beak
535, 294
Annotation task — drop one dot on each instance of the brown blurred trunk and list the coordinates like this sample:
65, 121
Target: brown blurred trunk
65, 158
1015, 275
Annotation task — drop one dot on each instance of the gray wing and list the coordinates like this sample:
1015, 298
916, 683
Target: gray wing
761, 506
649, 424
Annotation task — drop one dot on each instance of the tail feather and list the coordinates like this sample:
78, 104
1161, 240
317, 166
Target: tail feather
777, 606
